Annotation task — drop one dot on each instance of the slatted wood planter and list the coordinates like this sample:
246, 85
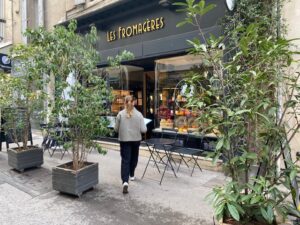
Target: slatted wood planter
25, 159
74, 182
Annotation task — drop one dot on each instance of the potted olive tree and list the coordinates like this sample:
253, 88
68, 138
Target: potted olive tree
247, 82
5, 99
80, 102
26, 96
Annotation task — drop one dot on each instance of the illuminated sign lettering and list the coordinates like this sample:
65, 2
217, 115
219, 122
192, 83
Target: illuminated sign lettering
135, 29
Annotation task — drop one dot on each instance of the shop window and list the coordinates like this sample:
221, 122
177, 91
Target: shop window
172, 93
124, 80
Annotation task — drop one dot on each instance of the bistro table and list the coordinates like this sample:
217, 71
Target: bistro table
155, 154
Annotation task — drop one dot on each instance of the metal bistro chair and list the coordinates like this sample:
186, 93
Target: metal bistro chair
183, 151
54, 140
169, 133
160, 153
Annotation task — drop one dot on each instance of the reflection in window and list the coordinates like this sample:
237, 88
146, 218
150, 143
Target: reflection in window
172, 93
124, 80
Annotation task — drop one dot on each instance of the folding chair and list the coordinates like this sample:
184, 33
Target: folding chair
170, 134
54, 140
159, 149
194, 153
46, 136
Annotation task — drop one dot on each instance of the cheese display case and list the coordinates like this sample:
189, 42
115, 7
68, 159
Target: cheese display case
172, 94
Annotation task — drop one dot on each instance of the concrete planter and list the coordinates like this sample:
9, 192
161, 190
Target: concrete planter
74, 182
25, 159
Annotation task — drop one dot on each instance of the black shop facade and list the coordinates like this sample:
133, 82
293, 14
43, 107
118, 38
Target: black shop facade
147, 29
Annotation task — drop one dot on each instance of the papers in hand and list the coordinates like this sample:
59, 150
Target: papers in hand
146, 121
112, 121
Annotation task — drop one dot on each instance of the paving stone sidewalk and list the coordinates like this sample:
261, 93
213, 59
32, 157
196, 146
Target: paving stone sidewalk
28, 198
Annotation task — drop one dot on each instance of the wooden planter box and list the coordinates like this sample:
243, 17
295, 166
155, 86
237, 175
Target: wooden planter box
25, 159
74, 182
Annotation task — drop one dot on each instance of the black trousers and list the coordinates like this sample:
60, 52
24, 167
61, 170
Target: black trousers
129, 153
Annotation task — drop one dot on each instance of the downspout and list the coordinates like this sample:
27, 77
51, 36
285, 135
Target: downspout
12, 21
279, 93
40, 13
24, 20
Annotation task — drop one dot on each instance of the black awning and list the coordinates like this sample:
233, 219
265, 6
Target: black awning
5, 62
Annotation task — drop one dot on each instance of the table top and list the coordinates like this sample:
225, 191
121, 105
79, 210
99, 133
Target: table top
159, 141
194, 134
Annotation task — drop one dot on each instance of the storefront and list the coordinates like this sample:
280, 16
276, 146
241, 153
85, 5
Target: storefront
148, 30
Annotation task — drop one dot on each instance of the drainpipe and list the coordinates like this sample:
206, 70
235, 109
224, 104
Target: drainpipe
24, 20
12, 21
40, 13
279, 93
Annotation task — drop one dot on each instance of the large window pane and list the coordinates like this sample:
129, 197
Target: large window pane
171, 97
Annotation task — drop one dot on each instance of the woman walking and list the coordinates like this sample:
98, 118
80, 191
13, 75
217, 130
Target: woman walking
129, 125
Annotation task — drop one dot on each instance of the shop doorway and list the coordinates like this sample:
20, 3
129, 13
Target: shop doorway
131, 80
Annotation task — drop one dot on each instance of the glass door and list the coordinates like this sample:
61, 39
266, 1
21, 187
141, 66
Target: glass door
124, 80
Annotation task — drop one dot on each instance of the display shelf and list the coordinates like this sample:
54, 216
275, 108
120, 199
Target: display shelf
173, 114
118, 101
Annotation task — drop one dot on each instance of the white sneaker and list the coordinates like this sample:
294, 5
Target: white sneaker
132, 178
125, 188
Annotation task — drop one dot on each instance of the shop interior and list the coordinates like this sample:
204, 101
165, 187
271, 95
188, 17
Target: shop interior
161, 94
172, 92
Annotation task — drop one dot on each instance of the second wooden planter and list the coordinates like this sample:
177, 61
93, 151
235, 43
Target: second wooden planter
74, 182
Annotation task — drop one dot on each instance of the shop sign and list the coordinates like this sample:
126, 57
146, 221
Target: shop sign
146, 26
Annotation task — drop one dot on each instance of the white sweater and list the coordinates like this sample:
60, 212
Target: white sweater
130, 129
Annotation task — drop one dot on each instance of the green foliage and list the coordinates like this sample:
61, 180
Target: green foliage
193, 10
81, 97
231, 201
22, 94
244, 83
116, 61
5, 90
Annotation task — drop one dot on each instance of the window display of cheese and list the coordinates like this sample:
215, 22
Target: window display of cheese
166, 123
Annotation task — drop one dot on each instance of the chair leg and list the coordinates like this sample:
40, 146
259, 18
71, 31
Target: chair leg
163, 174
63, 153
182, 159
153, 159
179, 165
196, 163
185, 162
172, 159
169, 162
146, 166
53, 150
